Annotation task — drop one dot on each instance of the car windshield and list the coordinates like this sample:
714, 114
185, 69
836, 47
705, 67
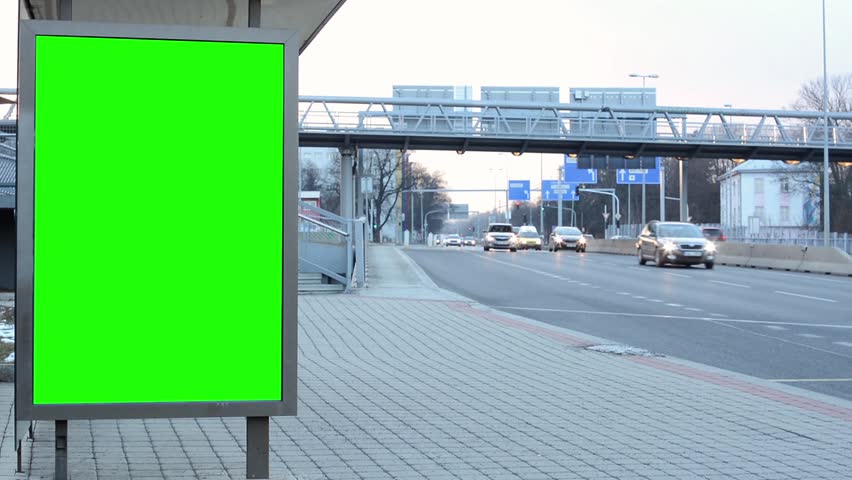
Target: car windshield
500, 229
679, 231
568, 231
712, 231
529, 235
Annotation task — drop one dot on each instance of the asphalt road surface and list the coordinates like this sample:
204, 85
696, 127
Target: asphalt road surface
789, 327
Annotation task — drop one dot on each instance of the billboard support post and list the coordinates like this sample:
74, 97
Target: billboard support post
61, 449
257, 447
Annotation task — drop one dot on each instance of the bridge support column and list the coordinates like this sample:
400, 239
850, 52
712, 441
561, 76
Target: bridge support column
684, 206
347, 182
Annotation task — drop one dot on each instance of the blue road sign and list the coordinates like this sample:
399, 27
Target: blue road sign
638, 176
519, 189
578, 175
550, 191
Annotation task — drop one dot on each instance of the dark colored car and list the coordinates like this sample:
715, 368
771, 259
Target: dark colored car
500, 235
567, 238
675, 243
714, 234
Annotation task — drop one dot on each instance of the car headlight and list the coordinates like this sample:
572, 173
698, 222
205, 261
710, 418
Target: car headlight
582, 240
710, 247
489, 237
669, 246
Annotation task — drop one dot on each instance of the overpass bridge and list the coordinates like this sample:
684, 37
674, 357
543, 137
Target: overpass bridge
576, 129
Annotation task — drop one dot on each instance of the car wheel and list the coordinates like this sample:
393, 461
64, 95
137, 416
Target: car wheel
709, 265
538, 248
642, 260
513, 250
658, 259
486, 248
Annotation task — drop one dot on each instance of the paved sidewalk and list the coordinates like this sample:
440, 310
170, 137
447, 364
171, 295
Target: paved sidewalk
419, 388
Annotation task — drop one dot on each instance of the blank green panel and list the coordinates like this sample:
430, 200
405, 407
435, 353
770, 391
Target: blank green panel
158, 221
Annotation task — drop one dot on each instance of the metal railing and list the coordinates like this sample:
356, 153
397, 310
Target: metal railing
332, 245
397, 116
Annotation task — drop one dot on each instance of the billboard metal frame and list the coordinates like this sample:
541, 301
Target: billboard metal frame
25, 409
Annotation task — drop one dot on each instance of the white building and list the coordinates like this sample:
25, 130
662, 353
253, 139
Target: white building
763, 195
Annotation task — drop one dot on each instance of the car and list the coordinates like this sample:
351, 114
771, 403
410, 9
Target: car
500, 235
567, 237
714, 234
676, 243
470, 242
438, 239
528, 238
516, 230
452, 241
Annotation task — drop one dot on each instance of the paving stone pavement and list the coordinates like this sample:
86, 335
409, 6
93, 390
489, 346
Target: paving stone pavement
436, 389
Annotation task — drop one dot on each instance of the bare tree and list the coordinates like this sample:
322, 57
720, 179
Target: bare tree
840, 177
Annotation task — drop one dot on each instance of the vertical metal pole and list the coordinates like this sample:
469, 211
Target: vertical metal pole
662, 191
257, 447
65, 8
541, 187
683, 191
61, 448
643, 195
559, 198
422, 226
411, 218
826, 223
254, 13
614, 212
629, 203
573, 213
347, 158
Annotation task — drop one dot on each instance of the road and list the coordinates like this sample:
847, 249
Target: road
788, 327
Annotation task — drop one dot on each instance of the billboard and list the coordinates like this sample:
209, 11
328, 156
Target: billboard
134, 213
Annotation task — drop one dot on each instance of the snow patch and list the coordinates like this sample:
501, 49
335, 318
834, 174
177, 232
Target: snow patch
10, 358
7, 333
622, 350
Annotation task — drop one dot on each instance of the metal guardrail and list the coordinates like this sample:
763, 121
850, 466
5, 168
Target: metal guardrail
332, 245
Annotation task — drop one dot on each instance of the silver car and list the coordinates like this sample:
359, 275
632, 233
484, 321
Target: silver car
675, 243
500, 235
564, 238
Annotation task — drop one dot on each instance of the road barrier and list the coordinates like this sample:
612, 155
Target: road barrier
616, 247
793, 258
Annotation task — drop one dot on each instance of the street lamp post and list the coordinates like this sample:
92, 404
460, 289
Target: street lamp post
643, 77
496, 207
826, 221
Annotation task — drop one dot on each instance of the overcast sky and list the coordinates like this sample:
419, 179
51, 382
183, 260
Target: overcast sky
748, 53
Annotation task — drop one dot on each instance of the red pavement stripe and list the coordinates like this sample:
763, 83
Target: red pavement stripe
805, 403
746, 387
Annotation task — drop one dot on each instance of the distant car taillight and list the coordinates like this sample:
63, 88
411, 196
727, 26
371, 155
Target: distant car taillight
723, 238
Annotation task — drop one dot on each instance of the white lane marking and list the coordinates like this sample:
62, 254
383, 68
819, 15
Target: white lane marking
678, 275
806, 276
720, 315
623, 293
809, 335
584, 284
674, 305
740, 285
638, 297
805, 296
794, 380
675, 317
693, 309
844, 344
775, 327
655, 300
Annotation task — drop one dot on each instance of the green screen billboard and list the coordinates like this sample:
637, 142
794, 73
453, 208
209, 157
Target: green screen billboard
158, 189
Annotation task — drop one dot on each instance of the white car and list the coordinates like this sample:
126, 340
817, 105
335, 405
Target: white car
453, 241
